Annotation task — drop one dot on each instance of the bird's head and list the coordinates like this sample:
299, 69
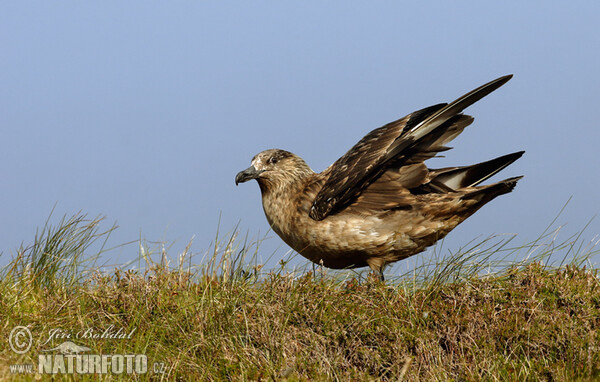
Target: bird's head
274, 168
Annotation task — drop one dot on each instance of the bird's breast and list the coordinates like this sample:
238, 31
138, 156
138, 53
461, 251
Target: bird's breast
337, 235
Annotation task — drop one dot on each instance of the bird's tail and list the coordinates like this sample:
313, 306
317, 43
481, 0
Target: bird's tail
484, 194
469, 176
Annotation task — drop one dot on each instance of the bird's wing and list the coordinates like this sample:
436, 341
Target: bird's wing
407, 141
391, 191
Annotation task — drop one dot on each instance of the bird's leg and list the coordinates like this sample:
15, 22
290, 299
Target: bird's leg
322, 269
376, 275
380, 274
377, 266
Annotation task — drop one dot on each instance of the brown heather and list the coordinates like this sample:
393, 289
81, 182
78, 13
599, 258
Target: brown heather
227, 320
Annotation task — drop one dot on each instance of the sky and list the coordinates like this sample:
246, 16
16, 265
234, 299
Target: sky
144, 111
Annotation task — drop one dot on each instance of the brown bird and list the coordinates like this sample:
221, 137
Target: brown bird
379, 203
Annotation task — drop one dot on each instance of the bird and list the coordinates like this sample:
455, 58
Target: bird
379, 203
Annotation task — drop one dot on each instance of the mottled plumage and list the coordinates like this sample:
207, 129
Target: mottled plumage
379, 203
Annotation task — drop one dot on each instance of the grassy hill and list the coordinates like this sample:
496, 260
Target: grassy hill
464, 317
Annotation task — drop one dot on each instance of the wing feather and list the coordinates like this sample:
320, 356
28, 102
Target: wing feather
412, 139
391, 190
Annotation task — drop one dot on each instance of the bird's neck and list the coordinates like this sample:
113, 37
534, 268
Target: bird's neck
283, 202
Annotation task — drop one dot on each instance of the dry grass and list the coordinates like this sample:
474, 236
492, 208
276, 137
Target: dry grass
227, 320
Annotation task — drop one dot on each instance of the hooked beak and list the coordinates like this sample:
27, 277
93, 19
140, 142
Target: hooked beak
248, 174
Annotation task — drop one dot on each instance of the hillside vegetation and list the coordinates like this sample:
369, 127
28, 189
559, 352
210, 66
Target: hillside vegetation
466, 316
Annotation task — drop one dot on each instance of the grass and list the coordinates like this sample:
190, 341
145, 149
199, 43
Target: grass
470, 315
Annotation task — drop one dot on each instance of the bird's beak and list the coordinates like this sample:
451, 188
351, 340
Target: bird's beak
248, 174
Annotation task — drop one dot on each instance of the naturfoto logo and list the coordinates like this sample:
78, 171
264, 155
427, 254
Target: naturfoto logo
64, 356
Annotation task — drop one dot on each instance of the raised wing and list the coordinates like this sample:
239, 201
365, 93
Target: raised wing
412, 139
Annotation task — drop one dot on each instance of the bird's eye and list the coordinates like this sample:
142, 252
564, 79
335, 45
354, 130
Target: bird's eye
272, 160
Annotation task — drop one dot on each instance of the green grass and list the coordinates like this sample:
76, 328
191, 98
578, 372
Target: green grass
470, 315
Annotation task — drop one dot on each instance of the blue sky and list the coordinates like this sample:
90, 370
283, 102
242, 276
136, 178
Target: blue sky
144, 111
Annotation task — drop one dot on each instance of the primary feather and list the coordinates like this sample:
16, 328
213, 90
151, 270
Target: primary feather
394, 144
